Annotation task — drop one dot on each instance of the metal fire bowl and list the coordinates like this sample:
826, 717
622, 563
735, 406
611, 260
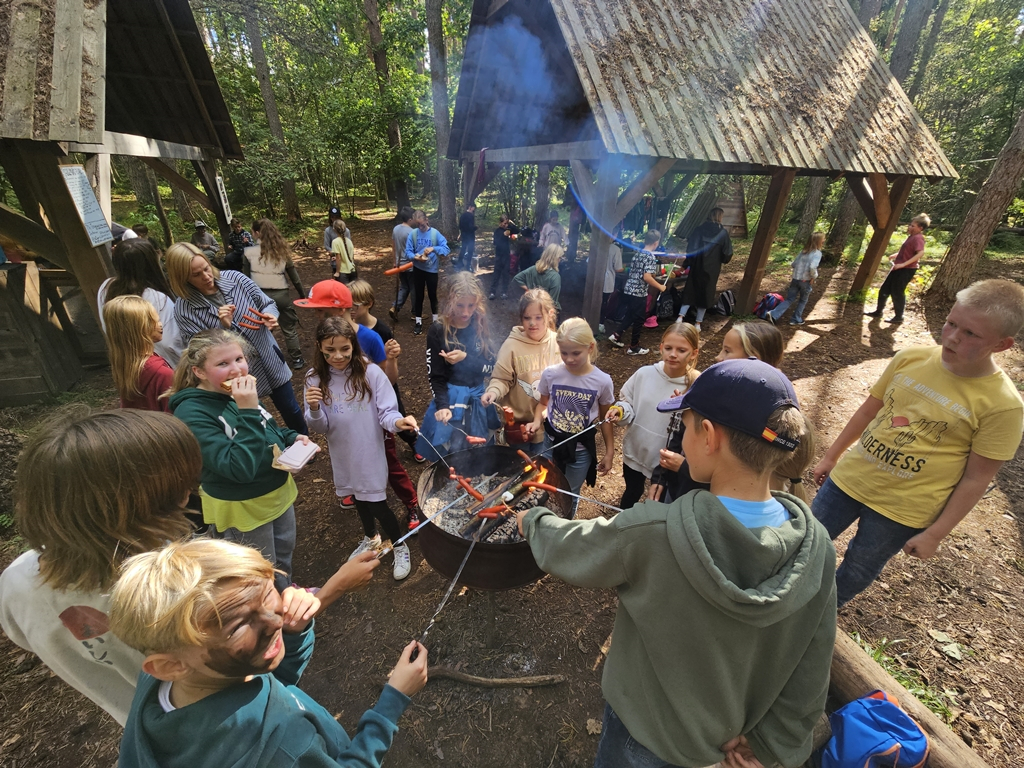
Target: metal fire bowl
491, 566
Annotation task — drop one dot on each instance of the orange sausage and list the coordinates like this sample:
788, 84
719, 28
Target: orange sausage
396, 270
487, 510
470, 489
540, 486
488, 514
525, 458
473, 440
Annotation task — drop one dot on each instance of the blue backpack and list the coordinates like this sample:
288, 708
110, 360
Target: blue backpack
767, 303
873, 732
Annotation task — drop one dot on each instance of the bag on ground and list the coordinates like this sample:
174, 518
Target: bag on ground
874, 732
726, 303
767, 303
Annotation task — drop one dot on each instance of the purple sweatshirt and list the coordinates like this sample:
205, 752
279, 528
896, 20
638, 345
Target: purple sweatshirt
354, 432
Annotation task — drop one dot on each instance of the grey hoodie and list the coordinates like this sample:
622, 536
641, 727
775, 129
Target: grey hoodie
721, 630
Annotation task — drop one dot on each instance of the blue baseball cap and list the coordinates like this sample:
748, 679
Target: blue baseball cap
742, 395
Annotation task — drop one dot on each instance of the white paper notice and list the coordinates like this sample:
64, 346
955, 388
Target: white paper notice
88, 206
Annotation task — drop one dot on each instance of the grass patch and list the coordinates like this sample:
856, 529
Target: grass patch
939, 702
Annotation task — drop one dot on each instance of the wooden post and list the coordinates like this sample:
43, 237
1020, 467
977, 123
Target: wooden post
601, 198
771, 216
97, 168
543, 196
206, 170
899, 193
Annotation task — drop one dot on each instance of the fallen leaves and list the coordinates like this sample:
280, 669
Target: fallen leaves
593, 726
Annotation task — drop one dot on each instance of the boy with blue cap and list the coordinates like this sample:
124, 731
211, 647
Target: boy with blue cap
727, 603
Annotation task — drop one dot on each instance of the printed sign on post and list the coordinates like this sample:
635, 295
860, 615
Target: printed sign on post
88, 206
223, 192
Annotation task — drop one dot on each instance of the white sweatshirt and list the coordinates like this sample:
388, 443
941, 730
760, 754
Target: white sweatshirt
648, 429
69, 632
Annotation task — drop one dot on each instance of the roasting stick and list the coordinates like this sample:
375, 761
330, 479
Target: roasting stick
434, 450
441, 511
595, 425
555, 489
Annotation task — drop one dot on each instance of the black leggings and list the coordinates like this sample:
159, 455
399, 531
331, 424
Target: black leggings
502, 275
372, 511
635, 314
895, 285
421, 279
635, 485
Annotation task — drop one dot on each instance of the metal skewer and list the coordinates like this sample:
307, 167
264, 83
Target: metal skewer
451, 588
417, 528
583, 498
420, 434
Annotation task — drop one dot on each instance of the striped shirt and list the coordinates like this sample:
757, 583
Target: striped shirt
196, 313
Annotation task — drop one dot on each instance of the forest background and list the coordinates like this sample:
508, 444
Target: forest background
339, 100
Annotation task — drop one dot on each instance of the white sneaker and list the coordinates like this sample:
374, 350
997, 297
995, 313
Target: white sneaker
614, 339
697, 326
403, 563
366, 544
600, 327
637, 351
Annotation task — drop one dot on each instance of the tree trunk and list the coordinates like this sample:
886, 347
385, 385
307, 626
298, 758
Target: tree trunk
812, 207
914, 19
868, 10
161, 214
259, 61
993, 198
894, 25
839, 234
543, 195
442, 121
140, 181
929, 48
181, 201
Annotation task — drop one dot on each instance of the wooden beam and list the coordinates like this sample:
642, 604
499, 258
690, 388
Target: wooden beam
855, 181
898, 196
21, 181
879, 186
584, 185
544, 153
92, 120
97, 168
855, 674
605, 195
20, 74
206, 170
641, 186
771, 215
680, 185
33, 236
175, 179
66, 92
139, 146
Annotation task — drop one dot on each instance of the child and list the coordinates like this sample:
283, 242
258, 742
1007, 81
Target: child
343, 255
92, 489
141, 377
424, 247
709, 248
238, 240
544, 274
805, 270
348, 400
528, 350
459, 358
637, 406
399, 236
505, 232
614, 268
574, 394
930, 438
904, 266
267, 263
634, 293
753, 599
224, 653
755, 339
244, 496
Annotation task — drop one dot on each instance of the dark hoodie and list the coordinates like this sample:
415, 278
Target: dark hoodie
721, 630
267, 722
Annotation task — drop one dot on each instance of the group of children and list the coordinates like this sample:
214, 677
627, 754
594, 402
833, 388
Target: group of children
221, 635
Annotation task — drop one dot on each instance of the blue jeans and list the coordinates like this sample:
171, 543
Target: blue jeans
288, 406
275, 541
466, 253
797, 288
877, 539
404, 289
620, 750
575, 471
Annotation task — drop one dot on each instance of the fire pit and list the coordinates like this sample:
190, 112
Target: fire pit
501, 559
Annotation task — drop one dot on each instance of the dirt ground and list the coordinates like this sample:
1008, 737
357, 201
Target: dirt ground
971, 590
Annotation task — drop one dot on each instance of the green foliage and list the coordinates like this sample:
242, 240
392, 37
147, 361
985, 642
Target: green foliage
937, 701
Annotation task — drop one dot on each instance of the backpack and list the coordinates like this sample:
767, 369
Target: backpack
726, 303
767, 303
873, 732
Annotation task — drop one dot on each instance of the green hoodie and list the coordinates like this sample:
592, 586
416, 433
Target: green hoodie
236, 444
721, 630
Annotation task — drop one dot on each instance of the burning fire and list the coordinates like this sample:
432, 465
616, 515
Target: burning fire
542, 475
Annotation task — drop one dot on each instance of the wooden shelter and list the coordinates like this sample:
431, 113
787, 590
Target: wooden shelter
100, 77
627, 92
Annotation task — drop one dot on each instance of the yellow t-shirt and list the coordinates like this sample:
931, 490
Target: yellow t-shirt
251, 513
914, 452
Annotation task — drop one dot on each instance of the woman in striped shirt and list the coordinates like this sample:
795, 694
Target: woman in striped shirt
208, 298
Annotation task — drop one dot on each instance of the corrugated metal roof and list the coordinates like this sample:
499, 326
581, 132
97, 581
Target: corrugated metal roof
784, 83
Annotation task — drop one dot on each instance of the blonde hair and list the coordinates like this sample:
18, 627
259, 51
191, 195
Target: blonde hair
463, 284
178, 263
1000, 300
577, 331
792, 469
273, 247
692, 336
549, 258
172, 598
362, 292
542, 297
756, 452
814, 242
762, 340
95, 488
199, 348
130, 322
923, 220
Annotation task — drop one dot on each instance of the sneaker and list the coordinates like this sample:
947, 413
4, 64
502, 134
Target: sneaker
415, 516
637, 351
365, 545
614, 339
697, 326
895, 320
393, 313
419, 457
681, 319
403, 562
491, 297
417, 329
348, 502
876, 313
298, 363
504, 295
769, 317
600, 328
796, 321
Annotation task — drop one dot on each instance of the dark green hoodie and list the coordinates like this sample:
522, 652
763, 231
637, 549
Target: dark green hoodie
721, 630
236, 444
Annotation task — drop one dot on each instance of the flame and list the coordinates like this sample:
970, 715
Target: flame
542, 475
